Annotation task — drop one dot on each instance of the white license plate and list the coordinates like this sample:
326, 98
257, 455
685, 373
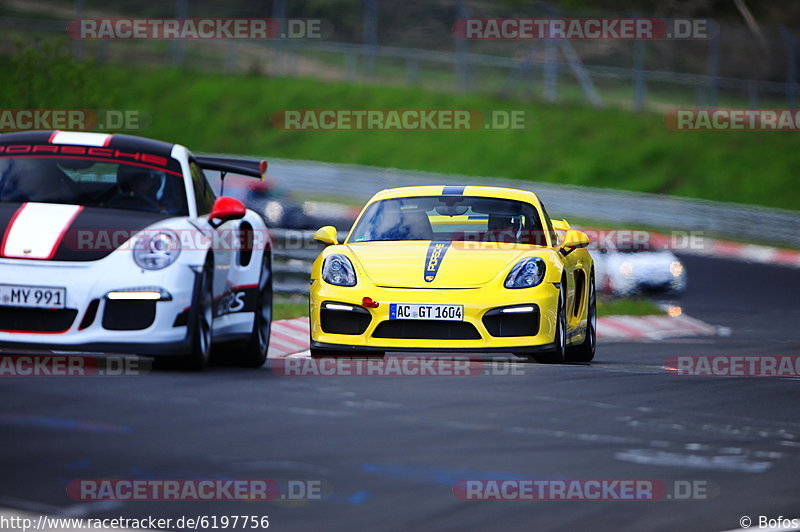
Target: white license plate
32, 296
413, 311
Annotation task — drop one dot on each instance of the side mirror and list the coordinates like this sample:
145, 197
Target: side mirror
327, 235
226, 209
574, 239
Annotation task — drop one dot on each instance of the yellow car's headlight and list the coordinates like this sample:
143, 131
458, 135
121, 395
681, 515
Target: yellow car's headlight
527, 273
338, 270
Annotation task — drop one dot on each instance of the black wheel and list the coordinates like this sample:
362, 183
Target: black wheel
557, 355
584, 352
201, 320
254, 353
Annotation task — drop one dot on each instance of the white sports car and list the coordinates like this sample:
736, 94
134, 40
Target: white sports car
628, 270
118, 243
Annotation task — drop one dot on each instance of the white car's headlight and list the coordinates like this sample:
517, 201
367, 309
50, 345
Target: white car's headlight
676, 268
338, 270
626, 269
526, 274
156, 250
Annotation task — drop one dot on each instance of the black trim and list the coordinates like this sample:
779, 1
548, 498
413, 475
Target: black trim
544, 348
178, 348
512, 324
91, 314
245, 167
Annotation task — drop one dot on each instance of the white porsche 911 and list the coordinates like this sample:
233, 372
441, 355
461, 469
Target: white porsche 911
117, 243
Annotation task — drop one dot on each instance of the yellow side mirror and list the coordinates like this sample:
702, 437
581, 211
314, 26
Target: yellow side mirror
327, 235
574, 239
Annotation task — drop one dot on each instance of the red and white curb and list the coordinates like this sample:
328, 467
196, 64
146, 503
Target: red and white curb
288, 336
747, 253
291, 336
656, 327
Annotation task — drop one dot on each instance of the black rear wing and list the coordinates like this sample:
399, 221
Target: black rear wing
224, 165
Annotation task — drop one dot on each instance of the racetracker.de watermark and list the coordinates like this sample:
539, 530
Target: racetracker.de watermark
733, 365
397, 119
732, 119
603, 29
72, 119
140, 489
198, 29
399, 366
583, 490
72, 366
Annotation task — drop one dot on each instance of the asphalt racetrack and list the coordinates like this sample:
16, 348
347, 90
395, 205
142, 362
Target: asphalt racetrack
389, 450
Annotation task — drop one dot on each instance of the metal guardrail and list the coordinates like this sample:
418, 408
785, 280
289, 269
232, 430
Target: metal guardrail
730, 220
293, 252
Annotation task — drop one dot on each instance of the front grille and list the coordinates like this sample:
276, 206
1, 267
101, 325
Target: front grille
426, 330
501, 324
122, 315
36, 320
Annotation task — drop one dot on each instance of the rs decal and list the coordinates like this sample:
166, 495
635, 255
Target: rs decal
434, 259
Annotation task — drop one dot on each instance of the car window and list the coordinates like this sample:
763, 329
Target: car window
203, 194
451, 218
92, 182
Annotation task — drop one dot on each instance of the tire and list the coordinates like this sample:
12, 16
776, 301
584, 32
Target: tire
584, 352
558, 354
201, 322
253, 354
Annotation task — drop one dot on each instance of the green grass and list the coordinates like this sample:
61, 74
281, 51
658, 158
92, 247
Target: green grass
627, 307
561, 144
286, 308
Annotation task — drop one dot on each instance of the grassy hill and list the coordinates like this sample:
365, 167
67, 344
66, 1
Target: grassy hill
574, 145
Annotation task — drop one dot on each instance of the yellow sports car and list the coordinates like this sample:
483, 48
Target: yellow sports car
454, 268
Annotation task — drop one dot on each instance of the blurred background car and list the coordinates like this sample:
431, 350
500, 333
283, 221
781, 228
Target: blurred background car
647, 269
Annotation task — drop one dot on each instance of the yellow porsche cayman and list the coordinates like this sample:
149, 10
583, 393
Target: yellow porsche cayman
444, 268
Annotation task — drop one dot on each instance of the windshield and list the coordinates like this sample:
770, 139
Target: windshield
92, 182
450, 218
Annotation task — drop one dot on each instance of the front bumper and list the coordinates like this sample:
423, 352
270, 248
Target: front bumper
471, 335
98, 324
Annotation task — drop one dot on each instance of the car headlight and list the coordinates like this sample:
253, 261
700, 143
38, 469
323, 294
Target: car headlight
338, 270
676, 268
626, 269
526, 274
156, 250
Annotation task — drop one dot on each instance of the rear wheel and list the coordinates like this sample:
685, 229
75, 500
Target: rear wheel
584, 352
254, 353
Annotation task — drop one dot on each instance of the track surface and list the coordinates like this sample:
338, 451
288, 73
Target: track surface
393, 447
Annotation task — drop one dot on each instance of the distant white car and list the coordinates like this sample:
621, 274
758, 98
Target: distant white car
636, 270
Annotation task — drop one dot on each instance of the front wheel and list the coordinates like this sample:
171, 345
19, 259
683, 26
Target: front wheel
584, 352
557, 355
201, 322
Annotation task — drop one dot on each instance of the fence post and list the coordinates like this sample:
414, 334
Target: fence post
77, 44
713, 71
178, 50
370, 36
791, 67
639, 88
462, 49
279, 56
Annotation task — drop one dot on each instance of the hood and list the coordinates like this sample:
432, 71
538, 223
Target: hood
53, 231
432, 264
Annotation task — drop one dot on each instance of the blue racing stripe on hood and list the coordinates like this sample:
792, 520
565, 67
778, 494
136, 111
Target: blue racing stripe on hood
434, 258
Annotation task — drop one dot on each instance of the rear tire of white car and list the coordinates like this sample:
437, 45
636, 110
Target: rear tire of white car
584, 352
254, 353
